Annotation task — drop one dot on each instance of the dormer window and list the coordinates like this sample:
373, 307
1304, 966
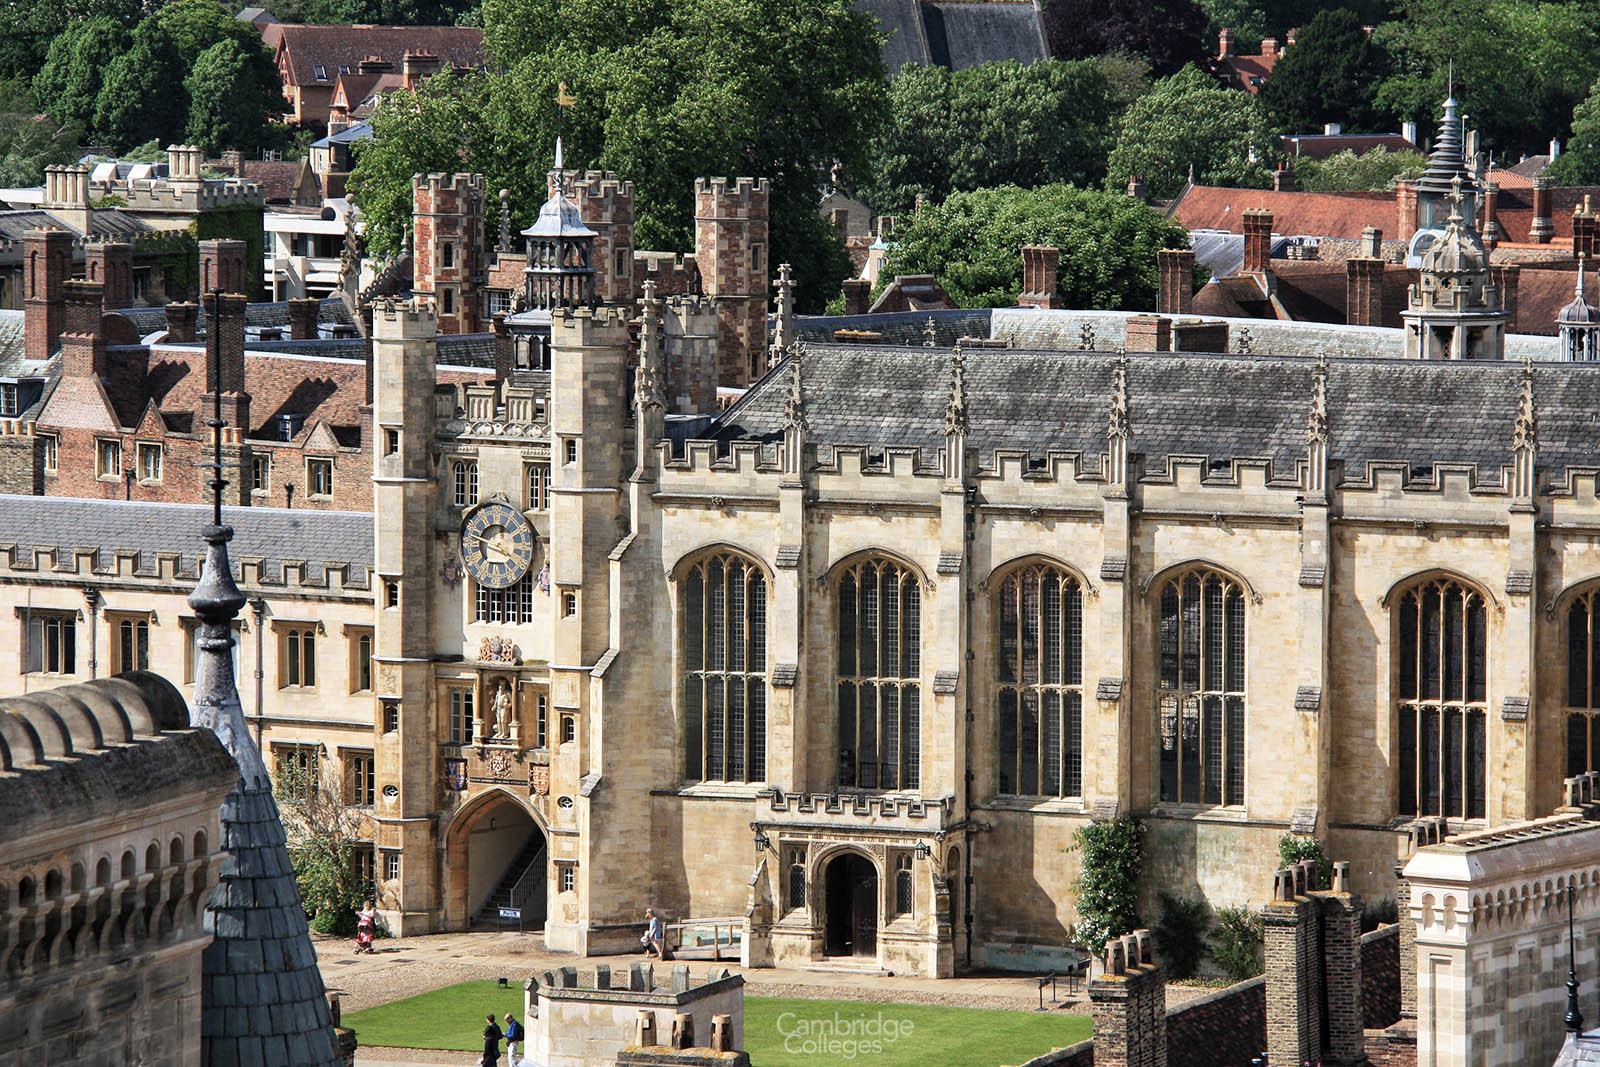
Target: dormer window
8, 398
320, 72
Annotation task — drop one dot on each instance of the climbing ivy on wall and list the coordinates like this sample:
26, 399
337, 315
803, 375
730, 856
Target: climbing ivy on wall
1293, 848
1107, 887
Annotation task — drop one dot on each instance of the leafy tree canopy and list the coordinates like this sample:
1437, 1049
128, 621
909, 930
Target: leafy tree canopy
1521, 66
1330, 75
69, 83
381, 12
1169, 33
29, 27
1004, 123
1189, 120
971, 242
226, 110
1579, 164
30, 141
138, 99
667, 92
1251, 20
1374, 170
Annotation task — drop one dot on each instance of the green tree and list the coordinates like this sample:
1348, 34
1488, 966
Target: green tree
30, 141
1169, 33
1236, 939
140, 98
69, 83
971, 243
1374, 170
1521, 66
223, 112
1180, 935
29, 27
1295, 848
671, 90
323, 836
1003, 123
1188, 121
440, 127
1330, 75
1579, 164
1106, 891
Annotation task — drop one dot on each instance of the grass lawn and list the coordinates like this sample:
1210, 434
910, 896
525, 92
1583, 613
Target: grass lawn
777, 1032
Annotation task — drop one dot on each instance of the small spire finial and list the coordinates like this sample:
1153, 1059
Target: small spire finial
1118, 426
1317, 418
929, 334
1580, 276
1525, 434
955, 411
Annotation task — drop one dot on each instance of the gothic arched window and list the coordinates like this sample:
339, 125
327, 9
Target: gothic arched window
724, 618
878, 676
1038, 676
1201, 699
1442, 699
1583, 681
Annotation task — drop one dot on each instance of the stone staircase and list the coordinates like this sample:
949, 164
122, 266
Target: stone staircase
532, 852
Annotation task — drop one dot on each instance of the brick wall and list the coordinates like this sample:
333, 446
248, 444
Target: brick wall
1380, 977
1227, 1028
732, 250
447, 235
605, 204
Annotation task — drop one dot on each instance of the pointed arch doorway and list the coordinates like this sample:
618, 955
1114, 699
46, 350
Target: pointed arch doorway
850, 902
494, 857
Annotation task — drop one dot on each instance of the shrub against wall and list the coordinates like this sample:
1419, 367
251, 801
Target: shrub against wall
1106, 890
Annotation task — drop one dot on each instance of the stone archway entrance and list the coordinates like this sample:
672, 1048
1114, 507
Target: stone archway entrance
495, 858
850, 899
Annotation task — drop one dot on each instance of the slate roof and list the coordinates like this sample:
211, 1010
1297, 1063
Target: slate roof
13, 224
330, 47
334, 538
10, 342
1421, 413
274, 313
957, 35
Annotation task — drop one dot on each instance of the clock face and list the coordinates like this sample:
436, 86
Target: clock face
496, 545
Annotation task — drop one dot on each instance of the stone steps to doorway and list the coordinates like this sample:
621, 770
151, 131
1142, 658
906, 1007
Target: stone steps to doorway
532, 852
844, 965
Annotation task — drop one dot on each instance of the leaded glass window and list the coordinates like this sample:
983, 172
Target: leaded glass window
1201, 696
878, 676
1583, 681
1039, 677
725, 669
1442, 687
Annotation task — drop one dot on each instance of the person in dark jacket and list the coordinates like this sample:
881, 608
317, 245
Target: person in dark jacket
514, 1038
491, 1043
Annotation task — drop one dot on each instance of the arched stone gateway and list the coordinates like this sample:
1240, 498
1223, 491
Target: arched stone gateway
851, 906
495, 857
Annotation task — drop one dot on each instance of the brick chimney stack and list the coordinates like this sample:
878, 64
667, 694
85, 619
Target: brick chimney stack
857, 294
225, 313
1175, 267
1257, 241
1405, 205
182, 322
222, 266
111, 264
1128, 1003
47, 260
1542, 228
1225, 43
83, 351
1039, 263
1341, 968
1293, 971
303, 315
418, 67
1269, 48
1363, 289
1489, 226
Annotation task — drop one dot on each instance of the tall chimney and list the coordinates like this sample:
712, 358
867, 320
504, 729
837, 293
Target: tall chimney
1175, 268
228, 322
303, 315
1257, 241
1039, 264
83, 351
47, 259
222, 266
1225, 43
1293, 969
857, 293
1363, 291
1269, 48
111, 264
1543, 228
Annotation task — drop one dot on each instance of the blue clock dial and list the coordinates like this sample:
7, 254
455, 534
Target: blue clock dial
496, 545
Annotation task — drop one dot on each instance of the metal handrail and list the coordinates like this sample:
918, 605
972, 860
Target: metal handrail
518, 890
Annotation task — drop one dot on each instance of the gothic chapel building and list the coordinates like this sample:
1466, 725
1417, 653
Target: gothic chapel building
856, 657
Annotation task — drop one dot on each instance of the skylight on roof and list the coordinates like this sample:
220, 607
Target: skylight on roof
320, 71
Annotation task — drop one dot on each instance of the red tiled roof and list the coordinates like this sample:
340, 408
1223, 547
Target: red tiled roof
1248, 72
300, 49
331, 391
1542, 291
277, 178
1315, 214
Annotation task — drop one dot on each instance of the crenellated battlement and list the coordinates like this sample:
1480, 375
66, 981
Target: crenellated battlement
404, 320
68, 564
735, 198
456, 184
604, 192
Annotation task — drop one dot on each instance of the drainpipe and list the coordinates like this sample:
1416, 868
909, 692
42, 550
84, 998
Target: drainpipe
91, 596
258, 608
970, 513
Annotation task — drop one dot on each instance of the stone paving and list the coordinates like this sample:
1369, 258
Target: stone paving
404, 967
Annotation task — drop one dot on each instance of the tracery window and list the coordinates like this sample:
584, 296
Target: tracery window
1038, 676
1201, 698
724, 619
1583, 681
1442, 686
878, 676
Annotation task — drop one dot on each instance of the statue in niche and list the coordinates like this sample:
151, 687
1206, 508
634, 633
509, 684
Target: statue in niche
500, 708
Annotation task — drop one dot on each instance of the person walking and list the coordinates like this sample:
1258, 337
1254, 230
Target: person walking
652, 939
514, 1038
491, 1043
